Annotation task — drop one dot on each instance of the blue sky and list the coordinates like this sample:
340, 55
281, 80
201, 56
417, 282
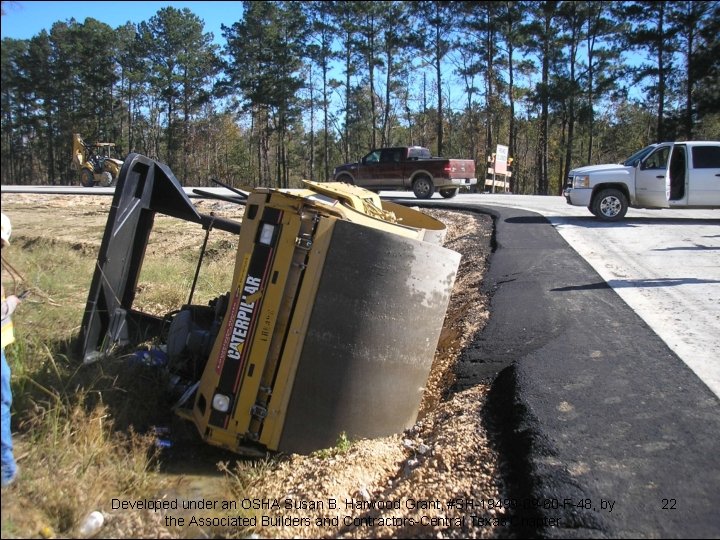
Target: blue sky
23, 19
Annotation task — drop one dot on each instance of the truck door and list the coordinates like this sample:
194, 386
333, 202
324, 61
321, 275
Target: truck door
650, 178
368, 169
676, 177
704, 184
382, 168
391, 167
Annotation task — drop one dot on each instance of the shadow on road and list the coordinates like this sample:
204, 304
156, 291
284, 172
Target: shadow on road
592, 222
527, 220
638, 283
689, 248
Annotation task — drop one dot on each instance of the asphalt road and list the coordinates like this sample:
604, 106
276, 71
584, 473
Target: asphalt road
607, 430
665, 264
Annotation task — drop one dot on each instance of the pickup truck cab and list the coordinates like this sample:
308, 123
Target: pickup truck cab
408, 168
663, 175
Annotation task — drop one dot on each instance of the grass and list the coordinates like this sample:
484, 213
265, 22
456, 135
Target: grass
169, 267
82, 432
71, 455
342, 445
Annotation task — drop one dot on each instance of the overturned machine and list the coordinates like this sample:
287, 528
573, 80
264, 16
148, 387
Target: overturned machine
330, 324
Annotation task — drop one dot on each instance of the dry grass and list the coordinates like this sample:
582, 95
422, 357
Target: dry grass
77, 429
71, 456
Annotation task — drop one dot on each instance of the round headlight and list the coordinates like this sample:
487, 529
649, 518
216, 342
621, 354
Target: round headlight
221, 402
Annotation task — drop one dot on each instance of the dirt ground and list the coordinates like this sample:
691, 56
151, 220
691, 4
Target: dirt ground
433, 481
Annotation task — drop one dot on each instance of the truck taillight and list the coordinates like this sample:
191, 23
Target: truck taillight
448, 168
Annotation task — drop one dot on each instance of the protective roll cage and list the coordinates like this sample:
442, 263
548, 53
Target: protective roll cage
144, 188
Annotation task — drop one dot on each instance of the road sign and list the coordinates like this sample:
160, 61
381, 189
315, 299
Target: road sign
501, 156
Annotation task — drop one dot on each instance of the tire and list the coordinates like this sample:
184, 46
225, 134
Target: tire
609, 205
107, 179
87, 178
423, 187
449, 193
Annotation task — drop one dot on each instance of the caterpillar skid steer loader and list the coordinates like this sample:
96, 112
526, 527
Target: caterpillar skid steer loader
96, 162
330, 324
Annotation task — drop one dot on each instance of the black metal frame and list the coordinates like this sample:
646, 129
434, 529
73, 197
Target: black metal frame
144, 188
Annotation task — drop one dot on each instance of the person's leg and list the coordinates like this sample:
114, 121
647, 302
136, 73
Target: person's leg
9, 469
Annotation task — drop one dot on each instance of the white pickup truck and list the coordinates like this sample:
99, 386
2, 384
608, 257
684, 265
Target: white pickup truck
664, 175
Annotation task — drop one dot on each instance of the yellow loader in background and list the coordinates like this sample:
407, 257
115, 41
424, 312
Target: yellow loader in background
97, 163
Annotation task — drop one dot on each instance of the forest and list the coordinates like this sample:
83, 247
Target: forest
292, 89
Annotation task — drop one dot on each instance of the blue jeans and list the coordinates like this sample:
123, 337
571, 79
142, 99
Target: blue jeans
9, 469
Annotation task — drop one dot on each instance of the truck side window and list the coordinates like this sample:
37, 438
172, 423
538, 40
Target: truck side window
417, 152
372, 157
706, 157
657, 160
391, 155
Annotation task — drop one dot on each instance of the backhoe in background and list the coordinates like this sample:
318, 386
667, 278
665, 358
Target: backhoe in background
97, 163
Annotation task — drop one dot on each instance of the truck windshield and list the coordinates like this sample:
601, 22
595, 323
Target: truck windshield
633, 160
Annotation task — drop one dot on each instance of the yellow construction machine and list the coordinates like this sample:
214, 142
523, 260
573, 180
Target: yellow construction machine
329, 326
97, 163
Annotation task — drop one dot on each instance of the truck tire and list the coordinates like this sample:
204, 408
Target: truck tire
86, 178
449, 193
610, 204
423, 187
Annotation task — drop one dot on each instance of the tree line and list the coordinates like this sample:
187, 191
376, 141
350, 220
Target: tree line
293, 89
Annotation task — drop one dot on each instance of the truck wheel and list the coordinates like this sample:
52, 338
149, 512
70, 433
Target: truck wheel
449, 193
86, 178
610, 205
347, 179
423, 187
